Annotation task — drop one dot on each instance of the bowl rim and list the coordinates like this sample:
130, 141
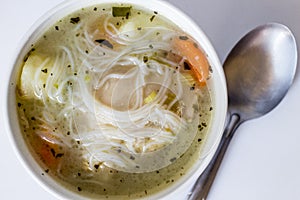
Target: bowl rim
43, 22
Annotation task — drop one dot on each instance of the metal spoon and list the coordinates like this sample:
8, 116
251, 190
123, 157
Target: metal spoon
259, 70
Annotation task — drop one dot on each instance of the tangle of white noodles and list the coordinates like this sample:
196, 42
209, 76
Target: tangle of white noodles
116, 76
105, 113
122, 37
54, 90
113, 125
95, 56
117, 124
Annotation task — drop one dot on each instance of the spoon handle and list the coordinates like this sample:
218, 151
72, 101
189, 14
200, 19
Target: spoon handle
203, 184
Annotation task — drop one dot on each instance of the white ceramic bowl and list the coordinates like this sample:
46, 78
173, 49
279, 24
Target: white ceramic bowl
217, 84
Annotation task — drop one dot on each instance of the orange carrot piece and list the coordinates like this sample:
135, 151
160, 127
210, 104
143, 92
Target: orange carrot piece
196, 59
49, 151
47, 156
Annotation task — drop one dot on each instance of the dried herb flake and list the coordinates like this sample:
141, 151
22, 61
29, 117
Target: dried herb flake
74, 20
186, 66
145, 59
132, 157
105, 43
183, 37
59, 155
53, 152
152, 18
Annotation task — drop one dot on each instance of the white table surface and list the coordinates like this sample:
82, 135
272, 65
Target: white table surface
263, 161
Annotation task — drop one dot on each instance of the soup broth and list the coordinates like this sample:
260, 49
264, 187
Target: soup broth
113, 101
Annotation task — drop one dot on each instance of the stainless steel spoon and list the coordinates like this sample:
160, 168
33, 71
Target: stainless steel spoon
259, 71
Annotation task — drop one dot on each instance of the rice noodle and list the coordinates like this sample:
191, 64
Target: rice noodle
148, 132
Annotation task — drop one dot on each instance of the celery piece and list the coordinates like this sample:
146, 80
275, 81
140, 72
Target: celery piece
121, 11
150, 97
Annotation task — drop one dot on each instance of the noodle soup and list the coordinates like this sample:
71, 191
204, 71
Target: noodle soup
115, 101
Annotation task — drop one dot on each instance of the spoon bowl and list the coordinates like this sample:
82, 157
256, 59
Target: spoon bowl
259, 71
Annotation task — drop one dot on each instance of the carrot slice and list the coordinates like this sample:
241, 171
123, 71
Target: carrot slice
48, 153
49, 150
196, 59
